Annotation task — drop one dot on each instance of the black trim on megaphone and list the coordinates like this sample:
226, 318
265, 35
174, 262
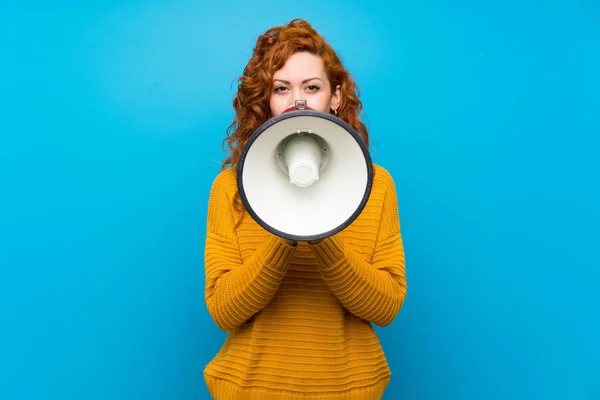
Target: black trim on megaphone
310, 113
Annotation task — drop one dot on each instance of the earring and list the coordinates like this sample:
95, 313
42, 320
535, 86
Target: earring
334, 111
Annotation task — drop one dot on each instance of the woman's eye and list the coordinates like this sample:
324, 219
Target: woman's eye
312, 88
280, 89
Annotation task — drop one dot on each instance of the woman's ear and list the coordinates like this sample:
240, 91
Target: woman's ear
336, 98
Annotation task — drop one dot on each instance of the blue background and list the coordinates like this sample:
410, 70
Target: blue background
112, 117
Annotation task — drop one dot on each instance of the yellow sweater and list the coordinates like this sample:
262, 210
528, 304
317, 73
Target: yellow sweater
299, 317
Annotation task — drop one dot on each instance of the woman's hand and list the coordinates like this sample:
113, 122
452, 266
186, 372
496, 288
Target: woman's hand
294, 242
290, 242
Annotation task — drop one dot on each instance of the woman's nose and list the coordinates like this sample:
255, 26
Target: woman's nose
298, 94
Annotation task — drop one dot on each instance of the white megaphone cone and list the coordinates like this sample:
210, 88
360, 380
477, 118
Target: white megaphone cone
304, 175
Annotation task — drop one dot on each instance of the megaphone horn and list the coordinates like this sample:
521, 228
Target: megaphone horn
304, 174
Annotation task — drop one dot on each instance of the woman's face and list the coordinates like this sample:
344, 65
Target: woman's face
303, 77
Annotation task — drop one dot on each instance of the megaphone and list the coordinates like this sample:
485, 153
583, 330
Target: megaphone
304, 175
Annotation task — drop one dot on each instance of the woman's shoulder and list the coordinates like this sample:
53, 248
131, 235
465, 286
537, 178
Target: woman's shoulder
225, 177
382, 176
225, 182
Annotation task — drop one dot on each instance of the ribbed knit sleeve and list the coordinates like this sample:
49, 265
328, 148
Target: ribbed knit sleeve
375, 290
237, 289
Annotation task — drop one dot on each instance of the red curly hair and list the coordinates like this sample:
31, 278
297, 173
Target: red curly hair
272, 50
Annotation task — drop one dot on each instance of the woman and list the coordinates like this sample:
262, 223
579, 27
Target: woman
299, 315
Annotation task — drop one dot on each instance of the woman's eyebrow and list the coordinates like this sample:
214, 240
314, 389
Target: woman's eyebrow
304, 81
